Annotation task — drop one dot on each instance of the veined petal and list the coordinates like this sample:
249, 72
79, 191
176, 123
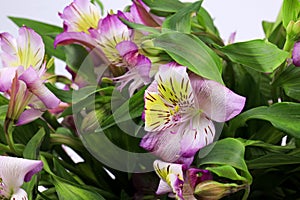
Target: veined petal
110, 32
163, 188
164, 144
28, 116
7, 75
174, 96
196, 134
31, 48
126, 47
80, 15
217, 102
9, 50
14, 171
36, 86
172, 174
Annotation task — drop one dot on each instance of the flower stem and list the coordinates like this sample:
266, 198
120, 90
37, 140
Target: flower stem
8, 129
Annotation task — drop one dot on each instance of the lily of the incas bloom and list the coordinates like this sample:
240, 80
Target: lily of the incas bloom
138, 67
179, 109
21, 77
13, 173
177, 181
109, 41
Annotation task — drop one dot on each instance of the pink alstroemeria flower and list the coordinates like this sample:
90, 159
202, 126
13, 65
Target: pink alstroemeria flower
21, 77
177, 181
109, 41
179, 112
13, 173
296, 54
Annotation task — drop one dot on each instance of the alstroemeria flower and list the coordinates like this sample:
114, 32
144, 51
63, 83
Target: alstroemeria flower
21, 77
13, 173
80, 16
179, 113
178, 181
138, 67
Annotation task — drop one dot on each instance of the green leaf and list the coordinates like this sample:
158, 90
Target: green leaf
168, 6
259, 55
68, 190
140, 27
182, 20
290, 11
3, 100
284, 116
31, 151
224, 152
289, 80
226, 171
205, 20
129, 110
190, 51
40, 27
76, 96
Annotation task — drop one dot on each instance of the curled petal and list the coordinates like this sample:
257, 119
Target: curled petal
28, 116
218, 102
296, 54
20, 194
126, 47
36, 86
7, 75
66, 38
80, 15
14, 171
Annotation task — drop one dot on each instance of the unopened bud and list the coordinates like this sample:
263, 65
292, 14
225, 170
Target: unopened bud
212, 190
149, 48
293, 30
92, 120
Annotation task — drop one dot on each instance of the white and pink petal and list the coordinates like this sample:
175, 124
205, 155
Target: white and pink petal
217, 102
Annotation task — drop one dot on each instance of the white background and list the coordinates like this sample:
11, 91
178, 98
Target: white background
243, 16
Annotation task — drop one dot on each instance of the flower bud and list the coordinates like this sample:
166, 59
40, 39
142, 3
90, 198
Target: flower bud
149, 48
92, 120
293, 30
296, 54
215, 190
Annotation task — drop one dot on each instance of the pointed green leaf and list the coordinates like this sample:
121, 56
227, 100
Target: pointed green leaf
168, 6
289, 80
284, 116
226, 171
290, 11
259, 55
229, 152
190, 51
182, 20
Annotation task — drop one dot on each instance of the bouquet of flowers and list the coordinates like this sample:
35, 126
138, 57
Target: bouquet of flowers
155, 105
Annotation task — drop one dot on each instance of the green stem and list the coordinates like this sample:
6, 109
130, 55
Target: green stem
66, 140
8, 129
